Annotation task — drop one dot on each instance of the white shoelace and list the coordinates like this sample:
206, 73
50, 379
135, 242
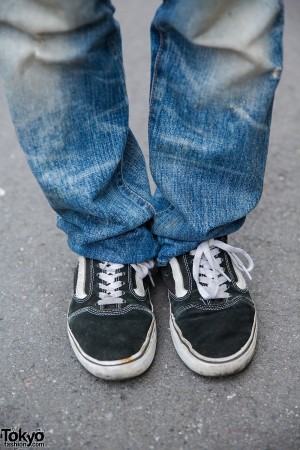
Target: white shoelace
208, 274
111, 293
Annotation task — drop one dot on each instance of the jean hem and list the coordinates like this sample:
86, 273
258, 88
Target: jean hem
112, 256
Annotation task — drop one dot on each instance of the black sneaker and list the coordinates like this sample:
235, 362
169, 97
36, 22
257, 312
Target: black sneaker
111, 325
212, 319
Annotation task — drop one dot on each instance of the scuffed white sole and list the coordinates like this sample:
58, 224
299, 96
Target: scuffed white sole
213, 367
121, 369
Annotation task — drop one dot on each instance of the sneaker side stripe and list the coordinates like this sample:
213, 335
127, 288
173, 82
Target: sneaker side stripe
180, 290
80, 285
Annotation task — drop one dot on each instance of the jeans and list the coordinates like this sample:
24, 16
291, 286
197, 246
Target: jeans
215, 68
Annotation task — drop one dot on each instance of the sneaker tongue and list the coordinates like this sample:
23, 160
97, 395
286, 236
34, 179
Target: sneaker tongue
108, 270
110, 307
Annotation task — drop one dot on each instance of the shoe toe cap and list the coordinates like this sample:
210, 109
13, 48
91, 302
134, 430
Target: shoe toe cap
218, 333
110, 337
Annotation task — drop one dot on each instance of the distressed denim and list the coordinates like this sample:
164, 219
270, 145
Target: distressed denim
215, 68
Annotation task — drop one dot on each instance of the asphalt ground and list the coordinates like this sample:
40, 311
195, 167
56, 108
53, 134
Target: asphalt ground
41, 383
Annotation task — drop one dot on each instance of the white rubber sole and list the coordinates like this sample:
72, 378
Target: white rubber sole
213, 367
120, 369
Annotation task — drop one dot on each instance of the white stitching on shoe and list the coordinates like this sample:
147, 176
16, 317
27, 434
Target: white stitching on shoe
96, 312
211, 307
132, 291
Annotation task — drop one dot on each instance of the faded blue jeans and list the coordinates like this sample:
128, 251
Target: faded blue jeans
215, 68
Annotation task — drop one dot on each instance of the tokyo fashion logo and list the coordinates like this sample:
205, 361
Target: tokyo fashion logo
17, 438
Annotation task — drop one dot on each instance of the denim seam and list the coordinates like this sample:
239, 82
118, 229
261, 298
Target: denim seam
133, 194
121, 66
157, 60
123, 184
164, 211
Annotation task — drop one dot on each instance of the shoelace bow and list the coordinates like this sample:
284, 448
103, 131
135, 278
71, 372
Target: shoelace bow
111, 292
210, 278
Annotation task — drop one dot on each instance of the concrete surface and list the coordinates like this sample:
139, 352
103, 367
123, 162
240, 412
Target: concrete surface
42, 384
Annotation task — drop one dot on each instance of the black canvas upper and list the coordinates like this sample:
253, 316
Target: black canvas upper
110, 332
215, 328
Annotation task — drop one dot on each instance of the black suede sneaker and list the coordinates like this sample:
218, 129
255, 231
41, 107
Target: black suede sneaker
212, 318
111, 325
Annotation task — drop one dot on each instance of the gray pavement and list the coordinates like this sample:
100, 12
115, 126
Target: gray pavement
42, 384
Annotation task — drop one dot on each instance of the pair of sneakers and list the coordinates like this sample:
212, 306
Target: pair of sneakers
111, 324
